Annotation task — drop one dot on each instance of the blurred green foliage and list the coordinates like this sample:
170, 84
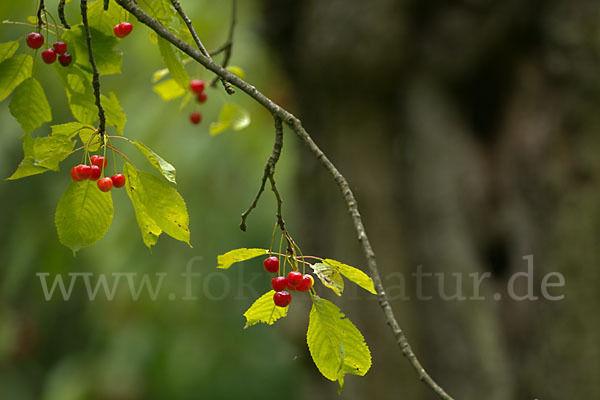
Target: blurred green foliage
145, 349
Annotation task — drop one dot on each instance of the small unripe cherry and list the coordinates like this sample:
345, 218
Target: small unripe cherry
105, 184
96, 172
282, 299
294, 278
271, 264
306, 283
197, 86
118, 180
279, 283
98, 160
34, 40
83, 171
195, 117
201, 97
74, 175
65, 59
60, 47
49, 56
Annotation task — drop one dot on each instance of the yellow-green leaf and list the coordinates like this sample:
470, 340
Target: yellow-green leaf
161, 202
105, 20
231, 116
169, 90
330, 277
7, 50
237, 71
28, 166
337, 347
148, 227
164, 167
114, 113
107, 59
264, 310
173, 63
13, 71
353, 274
29, 105
83, 215
226, 260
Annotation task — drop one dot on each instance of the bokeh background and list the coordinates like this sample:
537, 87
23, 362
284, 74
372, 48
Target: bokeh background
469, 132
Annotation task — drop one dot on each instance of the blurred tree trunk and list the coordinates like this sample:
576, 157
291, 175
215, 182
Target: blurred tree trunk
469, 131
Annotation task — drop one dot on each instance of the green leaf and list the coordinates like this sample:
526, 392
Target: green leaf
78, 86
104, 21
83, 215
148, 227
226, 260
237, 71
13, 71
107, 59
49, 151
330, 277
169, 90
114, 113
29, 105
231, 116
28, 166
353, 274
264, 310
337, 347
161, 202
159, 74
159, 9
173, 63
69, 129
166, 169
7, 50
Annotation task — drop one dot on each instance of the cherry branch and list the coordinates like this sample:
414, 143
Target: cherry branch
228, 88
228, 46
294, 123
95, 73
61, 14
39, 15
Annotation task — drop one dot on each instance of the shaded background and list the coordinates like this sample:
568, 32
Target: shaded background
468, 131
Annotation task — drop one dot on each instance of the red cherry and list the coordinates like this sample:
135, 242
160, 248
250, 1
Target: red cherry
60, 47
279, 283
201, 97
294, 278
306, 283
74, 175
96, 172
282, 299
197, 86
98, 160
105, 184
195, 117
49, 56
271, 264
118, 180
65, 59
34, 40
290, 287
83, 171
123, 29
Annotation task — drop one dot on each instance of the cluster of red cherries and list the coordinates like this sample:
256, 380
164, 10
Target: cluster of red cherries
59, 49
197, 87
94, 171
283, 285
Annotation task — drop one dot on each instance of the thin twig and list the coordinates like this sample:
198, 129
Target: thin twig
349, 199
95, 73
269, 171
228, 46
39, 15
228, 88
61, 14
